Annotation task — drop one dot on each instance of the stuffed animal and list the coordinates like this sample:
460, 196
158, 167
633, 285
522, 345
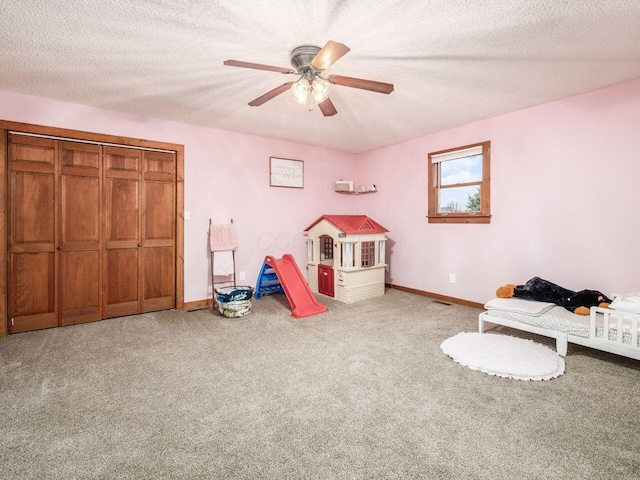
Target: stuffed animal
544, 291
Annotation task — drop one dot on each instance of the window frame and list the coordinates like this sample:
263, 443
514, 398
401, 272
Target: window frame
367, 254
310, 251
326, 247
484, 215
348, 255
381, 252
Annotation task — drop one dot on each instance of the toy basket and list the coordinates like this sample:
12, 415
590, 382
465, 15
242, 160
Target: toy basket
234, 302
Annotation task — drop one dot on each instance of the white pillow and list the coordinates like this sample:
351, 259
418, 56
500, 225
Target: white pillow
518, 305
629, 302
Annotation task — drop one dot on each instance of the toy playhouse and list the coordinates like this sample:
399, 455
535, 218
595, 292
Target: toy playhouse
346, 257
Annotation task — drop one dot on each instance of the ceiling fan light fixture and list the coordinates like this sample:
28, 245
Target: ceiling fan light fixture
320, 89
300, 90
310, 61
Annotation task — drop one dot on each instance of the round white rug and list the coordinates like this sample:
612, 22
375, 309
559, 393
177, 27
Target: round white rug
504, 356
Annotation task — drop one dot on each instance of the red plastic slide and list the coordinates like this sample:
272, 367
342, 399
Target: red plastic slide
303, 303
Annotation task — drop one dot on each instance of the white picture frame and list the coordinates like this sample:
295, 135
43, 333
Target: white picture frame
286, 172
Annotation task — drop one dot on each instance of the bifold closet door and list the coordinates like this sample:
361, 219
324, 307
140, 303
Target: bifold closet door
80, 244
140, 225
31, 230
91, 232
122, 233
158, 231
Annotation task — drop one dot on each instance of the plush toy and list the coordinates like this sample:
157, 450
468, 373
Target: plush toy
544, 291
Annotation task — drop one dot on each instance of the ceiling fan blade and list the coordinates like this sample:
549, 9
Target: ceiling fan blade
327, 108
370, 85
270, 94
258, 66
329, 54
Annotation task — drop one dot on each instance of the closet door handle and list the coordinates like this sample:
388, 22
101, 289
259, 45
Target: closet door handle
60, 248
139, 244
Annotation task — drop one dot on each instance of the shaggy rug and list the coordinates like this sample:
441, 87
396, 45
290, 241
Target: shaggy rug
504, 356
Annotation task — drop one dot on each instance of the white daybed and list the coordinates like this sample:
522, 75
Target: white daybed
608, 330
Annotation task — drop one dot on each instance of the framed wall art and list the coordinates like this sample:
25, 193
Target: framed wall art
284, 172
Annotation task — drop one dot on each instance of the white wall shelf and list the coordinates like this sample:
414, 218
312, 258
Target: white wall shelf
358, 193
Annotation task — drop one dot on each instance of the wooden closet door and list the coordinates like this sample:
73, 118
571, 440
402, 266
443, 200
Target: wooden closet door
158, 231
80, 244
31, 233
122, 232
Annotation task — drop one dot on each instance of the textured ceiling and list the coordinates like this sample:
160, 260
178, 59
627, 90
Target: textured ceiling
451, 61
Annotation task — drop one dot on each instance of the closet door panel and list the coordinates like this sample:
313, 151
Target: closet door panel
32, 154
80, 240
158, 237
160, 164
31, 231
79, 287
121, 162
32, 291
123, 209
159, 282
80, 219
159, 223
32, 209
122, 277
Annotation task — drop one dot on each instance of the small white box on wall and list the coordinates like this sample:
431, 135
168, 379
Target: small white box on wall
344, 186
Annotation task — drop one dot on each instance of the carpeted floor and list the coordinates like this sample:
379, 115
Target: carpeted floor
363, 391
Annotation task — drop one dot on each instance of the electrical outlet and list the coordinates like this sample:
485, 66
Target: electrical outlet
243, 276
386, 267
187, 215
452, 278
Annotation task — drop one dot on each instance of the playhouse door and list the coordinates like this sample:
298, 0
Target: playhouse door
325, 280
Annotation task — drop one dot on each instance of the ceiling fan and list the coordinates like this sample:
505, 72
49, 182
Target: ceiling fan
309, 62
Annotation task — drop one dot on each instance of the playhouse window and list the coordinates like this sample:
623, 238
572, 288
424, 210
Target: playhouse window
459, 185
347, 255
309, 250
326, 248
381, 256
368, 254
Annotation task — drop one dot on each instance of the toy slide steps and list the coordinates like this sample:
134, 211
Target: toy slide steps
281, 274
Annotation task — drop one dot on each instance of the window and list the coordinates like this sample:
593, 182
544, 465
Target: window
368, 254
381, 252
326, 248
459, 185
347, 255
309, 250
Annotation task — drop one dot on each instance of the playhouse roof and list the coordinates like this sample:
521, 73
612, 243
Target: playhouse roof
351, 224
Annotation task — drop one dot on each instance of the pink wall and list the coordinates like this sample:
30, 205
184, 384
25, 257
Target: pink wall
565, 183
565, 178
226, 175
